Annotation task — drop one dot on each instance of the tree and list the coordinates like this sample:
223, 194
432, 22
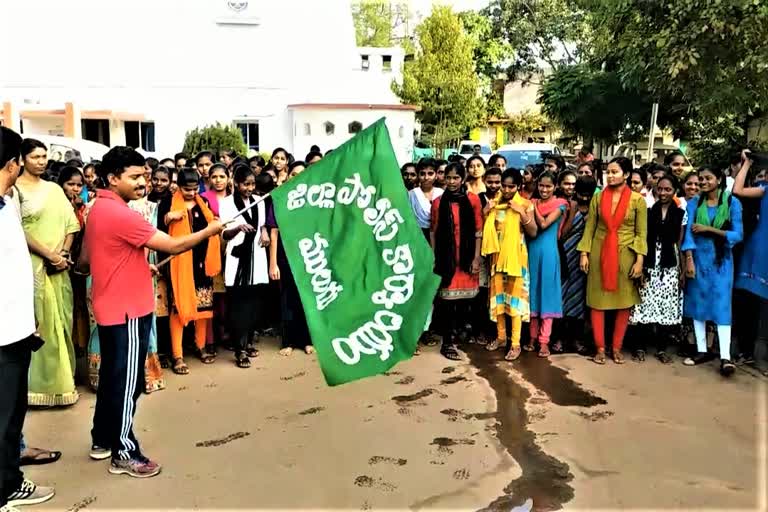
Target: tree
595, 104
544, 35
522, 124
441, 79
215, 138
707, 55
382, 23
491, 54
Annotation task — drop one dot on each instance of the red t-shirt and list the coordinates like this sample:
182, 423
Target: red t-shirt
122, 282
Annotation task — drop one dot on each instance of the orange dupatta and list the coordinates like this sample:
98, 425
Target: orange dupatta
609, 254
182, 271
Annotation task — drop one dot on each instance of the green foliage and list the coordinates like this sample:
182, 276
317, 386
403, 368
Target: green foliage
594, 104
709, 55
373, 23
523, 124
442, 80
544, 35
215, 138
491, 54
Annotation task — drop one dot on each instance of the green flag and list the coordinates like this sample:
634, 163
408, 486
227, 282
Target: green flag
360, 261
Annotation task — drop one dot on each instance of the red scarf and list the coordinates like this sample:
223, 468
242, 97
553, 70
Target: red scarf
609, 255
551, 205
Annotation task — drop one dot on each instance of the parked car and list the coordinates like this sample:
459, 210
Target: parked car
467, 149
521, 155
63, 149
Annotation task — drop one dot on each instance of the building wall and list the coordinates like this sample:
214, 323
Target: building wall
399, 122
184, 64
44, 125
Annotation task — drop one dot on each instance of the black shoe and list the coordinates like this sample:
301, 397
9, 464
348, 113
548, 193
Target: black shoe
727, 368
702, 358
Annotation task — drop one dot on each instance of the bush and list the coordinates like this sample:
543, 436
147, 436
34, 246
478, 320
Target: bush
215, 138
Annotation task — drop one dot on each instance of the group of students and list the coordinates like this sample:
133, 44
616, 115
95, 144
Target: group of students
656, 253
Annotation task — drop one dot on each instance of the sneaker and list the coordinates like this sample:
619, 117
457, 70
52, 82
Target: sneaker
727, 368
99, 453
137, 468
9, 508
30, 494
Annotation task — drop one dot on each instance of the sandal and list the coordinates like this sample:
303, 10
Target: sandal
528, 347
494, 345
450, 352
544, 350
42, 457
180, 367
727, 368
599, 358
309, 350
431, 342
664, 357
242, 361
417, 352
513, 354
208, 355
286, 351
618, 357
557, 347
639, 355
165, 362
251, 350
482, 340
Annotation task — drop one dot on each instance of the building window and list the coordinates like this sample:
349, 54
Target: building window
329, 128
250, 131
307, 129
97, 130
366, 63
401, 132
355, 126
140, 135
386, 63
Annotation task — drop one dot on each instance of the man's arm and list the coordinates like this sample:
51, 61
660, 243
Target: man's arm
163, 242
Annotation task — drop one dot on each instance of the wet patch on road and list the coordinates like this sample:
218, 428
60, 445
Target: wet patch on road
452, 380
555, 382
406, 399
449, 369
312, 410
388, 374
405, 380
82, 504
596, 416
544, 478
377, 483
376, 459
225, 440
447, 441
455, 415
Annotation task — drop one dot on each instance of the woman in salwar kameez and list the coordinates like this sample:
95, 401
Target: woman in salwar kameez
613, 250
714, 227
50, 225
504, 242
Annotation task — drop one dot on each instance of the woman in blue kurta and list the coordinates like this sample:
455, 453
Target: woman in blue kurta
714, 227
544, 263
752, 269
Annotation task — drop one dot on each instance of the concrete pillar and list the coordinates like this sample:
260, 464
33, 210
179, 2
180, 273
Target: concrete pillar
11, 117
72, 121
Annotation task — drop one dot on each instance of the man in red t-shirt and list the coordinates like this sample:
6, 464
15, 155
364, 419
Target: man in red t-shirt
123, 304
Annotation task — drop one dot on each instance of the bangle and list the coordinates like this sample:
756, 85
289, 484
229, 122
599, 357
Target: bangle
56, 264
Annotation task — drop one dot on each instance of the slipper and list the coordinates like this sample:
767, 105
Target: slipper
44, 457
513, 354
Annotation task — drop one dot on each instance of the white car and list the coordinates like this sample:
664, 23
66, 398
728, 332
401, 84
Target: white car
521, 155
63, 149
467, 149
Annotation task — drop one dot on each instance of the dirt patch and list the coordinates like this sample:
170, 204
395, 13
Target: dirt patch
449, 369
405, 380
405, 399
461, 474
447, 441
378, 483
294, 376
225, 440
456, 415
388, 374
452, 380
596, 415
376, 459
82, 504
312, 410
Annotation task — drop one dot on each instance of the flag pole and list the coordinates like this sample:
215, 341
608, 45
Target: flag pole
259, 199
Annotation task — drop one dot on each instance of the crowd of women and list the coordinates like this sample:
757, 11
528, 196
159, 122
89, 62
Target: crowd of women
665, 252
222, 294
659, 253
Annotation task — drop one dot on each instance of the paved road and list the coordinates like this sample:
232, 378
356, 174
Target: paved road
480, 434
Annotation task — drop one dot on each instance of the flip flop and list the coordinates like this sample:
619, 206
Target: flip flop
44, 457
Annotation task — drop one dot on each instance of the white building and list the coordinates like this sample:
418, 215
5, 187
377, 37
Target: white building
144, 72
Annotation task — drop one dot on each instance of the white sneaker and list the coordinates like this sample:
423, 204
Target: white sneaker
30, 494
9, 508
99, 453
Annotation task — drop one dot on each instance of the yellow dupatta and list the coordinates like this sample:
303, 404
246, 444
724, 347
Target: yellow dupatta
507, 245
